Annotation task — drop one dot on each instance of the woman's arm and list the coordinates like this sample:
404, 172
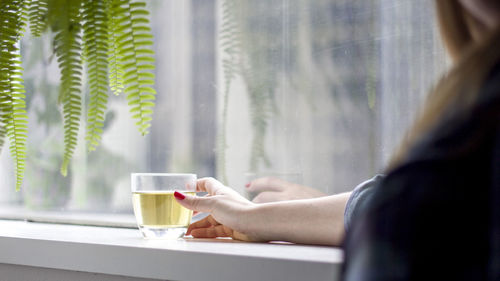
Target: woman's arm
306, 221
309, 221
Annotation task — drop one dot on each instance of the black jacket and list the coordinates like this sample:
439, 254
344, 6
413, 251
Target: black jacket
436, 216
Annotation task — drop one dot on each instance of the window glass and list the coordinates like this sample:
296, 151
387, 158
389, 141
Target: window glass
341, 82
317, 92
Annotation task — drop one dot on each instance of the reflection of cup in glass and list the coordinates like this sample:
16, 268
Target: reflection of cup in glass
157, 212
289, 177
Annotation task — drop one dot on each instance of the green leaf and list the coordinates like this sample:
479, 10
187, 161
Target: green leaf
67, 45
95, 37
38, 16
132, 51
117, 48
13, 117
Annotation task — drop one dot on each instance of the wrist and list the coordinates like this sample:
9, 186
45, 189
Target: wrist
253, 222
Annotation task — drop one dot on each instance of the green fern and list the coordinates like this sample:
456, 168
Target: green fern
247, 55
37, 14
136, 59
13, 117
260, 75
95, 43
3, 132
67, 46
116, 32
260, 96
229, 38
113, 9
17, 128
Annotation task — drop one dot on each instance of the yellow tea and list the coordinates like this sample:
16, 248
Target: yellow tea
159, 209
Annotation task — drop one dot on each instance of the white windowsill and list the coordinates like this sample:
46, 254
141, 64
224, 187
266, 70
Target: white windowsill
119, 251
67, 217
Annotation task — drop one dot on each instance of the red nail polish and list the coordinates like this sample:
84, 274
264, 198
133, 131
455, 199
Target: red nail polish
179, 195
247, 185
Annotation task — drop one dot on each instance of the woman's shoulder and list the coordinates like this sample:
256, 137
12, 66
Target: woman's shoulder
457, 155
463, 132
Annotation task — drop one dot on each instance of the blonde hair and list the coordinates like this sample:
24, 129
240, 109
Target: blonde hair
474, 51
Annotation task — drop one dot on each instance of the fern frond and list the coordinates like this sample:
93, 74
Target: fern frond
37, 14
260, 75
137, 61
251, 59
95, 49
13, 117
230, 43
222, 141
67, 46
260, 110
260, 89
17, 128
113, 9
3, 132
4, 98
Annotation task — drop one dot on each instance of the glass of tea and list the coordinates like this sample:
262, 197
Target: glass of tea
157, 212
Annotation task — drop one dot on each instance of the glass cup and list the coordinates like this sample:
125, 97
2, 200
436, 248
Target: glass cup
157, 212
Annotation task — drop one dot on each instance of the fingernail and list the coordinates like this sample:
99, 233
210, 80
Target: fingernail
247, 185
179, 195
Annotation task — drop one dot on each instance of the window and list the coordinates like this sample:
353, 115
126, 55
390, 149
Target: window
322, 90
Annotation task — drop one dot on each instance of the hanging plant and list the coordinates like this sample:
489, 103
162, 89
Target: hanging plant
245, 53
112, 37
230, 42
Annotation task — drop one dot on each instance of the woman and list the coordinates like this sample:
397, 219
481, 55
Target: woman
437, 212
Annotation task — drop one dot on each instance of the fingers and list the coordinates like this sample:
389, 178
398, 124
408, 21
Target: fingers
203, 223
196, 212
210, 185
218, 231
208, 228
268, 196
195, 203
212, 232
268, 184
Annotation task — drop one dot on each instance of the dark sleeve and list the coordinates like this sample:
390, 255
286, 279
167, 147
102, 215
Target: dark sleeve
414, 227
495, 217
358, 198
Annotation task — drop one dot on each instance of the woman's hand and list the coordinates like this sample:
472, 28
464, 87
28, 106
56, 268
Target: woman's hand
228, 211
308, 221
272, 189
